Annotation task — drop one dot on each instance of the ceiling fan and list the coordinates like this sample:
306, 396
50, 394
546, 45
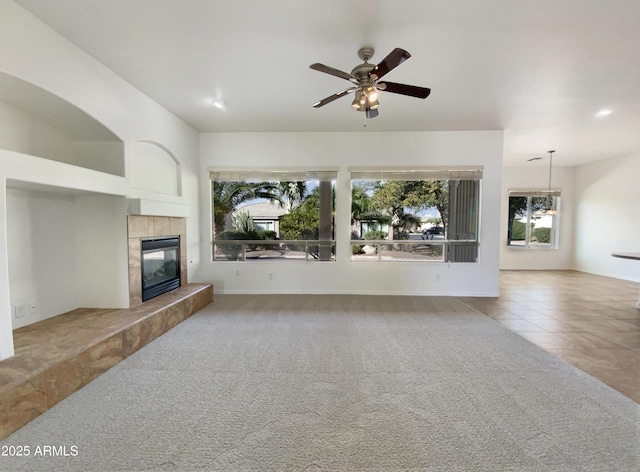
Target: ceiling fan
367, 81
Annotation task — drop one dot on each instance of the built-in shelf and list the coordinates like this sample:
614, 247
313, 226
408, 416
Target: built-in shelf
39, 123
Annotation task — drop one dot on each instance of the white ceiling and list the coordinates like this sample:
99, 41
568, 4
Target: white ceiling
538, 69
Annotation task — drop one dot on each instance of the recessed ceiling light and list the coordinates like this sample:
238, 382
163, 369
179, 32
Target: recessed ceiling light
603, 113
218, 103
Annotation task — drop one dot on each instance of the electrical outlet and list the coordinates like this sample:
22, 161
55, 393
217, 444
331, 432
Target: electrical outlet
270, 275
437, 277
19, 311
238, 273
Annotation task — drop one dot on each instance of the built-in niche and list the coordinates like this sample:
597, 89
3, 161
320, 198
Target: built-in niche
155, 169
66, 250
36, 122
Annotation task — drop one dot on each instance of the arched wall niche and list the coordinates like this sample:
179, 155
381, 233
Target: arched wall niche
155, 168
37, 122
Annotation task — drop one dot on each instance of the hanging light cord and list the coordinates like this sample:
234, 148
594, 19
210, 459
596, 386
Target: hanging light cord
549, 197
550, 165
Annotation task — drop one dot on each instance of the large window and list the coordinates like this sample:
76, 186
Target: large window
273, 215
415, 214
533, 219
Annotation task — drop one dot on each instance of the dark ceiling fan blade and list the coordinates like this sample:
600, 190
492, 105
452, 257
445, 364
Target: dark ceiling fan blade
393, 60
403, 89
332, 71
333, 97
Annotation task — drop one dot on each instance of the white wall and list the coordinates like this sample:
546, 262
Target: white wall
60, 256
537, 177
607, 217
41, 238
34, 53
101, 252
341, 150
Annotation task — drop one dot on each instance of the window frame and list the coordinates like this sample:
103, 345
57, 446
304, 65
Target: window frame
554, 232
459, 250
322, 249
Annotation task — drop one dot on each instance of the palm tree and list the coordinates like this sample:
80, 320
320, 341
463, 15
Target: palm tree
291, 194
311, 201
406, 222
362, 209
226, 196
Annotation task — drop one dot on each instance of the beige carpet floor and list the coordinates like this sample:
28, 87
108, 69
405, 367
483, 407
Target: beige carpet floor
333, 383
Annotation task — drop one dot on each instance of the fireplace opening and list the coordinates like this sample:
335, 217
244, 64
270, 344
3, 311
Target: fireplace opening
160, 266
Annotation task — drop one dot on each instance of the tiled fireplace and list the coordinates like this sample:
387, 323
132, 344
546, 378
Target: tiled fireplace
148, 227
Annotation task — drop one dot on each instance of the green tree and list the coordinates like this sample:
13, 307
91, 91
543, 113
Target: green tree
517, 207
311, 201
291, 194
362, 208
438, 196
227, 196
299, 225
402, 199
361, 204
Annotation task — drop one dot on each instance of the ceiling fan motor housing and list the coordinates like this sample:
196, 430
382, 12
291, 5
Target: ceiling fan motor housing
361, 72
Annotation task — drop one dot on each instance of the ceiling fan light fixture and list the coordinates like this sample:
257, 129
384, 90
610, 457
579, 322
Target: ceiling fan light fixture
372, 94
357, 100
373, 105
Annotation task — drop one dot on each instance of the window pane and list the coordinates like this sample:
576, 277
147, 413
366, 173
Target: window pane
533, 220
518, 215
394, 219
253, 219
397, 251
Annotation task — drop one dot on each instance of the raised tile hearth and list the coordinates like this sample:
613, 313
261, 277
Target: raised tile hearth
57, 356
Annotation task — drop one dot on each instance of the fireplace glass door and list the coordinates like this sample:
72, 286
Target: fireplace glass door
160, 266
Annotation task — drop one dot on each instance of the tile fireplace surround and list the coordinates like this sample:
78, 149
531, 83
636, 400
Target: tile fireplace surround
139, 227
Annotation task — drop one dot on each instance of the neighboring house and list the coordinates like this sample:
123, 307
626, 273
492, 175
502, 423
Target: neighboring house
265, 215
364, 226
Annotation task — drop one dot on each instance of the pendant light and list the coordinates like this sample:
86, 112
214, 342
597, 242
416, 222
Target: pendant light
550, 208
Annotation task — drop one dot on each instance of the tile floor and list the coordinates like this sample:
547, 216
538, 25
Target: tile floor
590, 321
